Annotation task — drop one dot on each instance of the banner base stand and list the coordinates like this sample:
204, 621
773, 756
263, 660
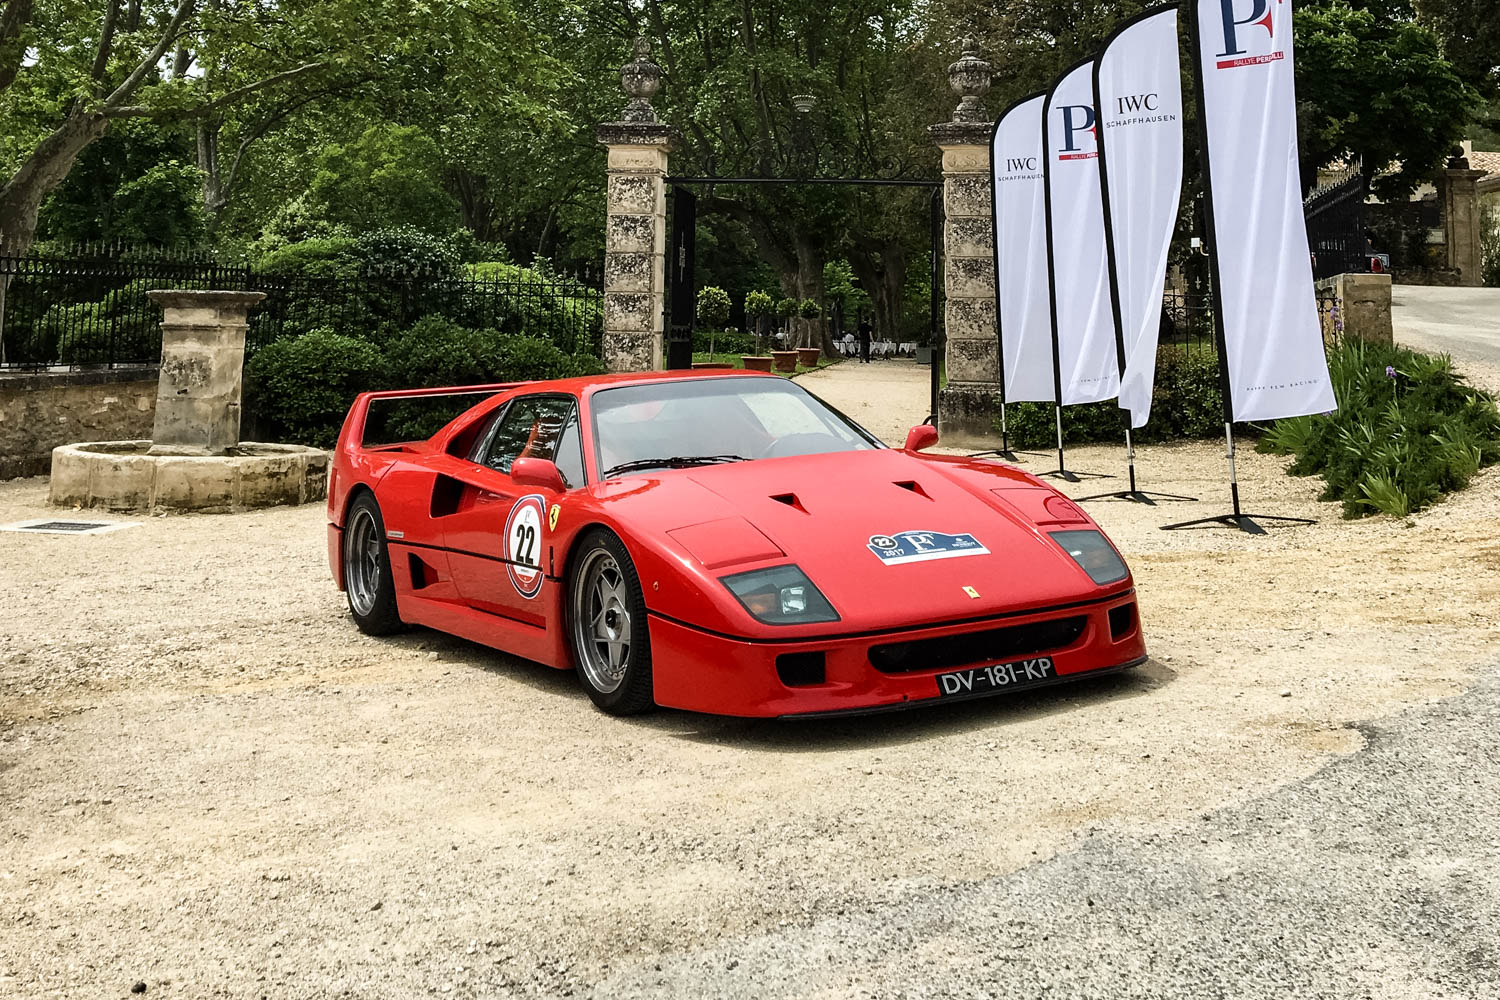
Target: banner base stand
1008, 455
1139, 496
1069, 476
1244, 522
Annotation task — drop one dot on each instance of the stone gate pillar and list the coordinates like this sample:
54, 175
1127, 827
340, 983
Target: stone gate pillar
635, 234
202, 364
969, 404
1460, 191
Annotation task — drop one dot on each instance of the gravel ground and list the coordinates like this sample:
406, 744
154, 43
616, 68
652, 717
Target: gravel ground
213, 785
1379, 876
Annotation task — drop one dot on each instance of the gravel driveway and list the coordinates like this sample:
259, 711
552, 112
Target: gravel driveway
213, 785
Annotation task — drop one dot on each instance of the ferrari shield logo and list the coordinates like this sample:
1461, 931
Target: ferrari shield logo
552, 517
923, 546
972, 592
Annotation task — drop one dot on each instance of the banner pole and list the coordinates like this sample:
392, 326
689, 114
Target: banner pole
1134, 494
1061, 472
1238, 519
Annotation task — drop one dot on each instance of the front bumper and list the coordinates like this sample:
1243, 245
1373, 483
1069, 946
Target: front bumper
703, 671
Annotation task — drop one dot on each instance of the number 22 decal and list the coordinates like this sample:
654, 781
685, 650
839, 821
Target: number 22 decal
523, 549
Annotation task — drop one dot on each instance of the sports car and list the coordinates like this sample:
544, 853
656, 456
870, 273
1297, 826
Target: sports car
721, 542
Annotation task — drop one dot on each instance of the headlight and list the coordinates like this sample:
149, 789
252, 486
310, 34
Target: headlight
1092, 551
782, 595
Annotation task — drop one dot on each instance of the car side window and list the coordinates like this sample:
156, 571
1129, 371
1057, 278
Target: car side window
537, 427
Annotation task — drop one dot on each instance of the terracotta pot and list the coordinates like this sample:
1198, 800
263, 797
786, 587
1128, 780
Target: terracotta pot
712, 364
808, 356
786, 361
754, 364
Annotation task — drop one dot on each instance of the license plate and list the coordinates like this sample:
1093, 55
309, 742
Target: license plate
1000, 677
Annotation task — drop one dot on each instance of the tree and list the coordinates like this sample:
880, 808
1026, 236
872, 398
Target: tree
68, 70
1376, 88
390, 176
136, 185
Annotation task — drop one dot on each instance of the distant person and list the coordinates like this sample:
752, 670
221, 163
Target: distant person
864, 341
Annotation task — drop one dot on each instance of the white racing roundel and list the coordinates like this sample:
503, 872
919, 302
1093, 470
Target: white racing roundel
523, 544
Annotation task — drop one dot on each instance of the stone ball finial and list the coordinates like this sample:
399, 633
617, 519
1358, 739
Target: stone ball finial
640, 79
970, 79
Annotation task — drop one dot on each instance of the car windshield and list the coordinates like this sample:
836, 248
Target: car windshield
676, 424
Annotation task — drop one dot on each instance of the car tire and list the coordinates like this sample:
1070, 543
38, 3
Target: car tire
607, 628
367, 569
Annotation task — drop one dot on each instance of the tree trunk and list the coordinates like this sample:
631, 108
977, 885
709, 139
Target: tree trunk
882, 273
42, 171
810, 332
214, 195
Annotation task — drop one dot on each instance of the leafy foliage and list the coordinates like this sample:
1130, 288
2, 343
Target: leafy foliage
1489, 243
1187, 404
391, 176
1376, 85
713, 307
758, 304
1396, 444
303, 385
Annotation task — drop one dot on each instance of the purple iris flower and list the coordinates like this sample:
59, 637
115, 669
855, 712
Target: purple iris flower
1390, 371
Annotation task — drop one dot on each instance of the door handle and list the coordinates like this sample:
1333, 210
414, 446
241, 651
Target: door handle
490, 496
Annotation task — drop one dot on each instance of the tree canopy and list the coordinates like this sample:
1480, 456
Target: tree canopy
240, 126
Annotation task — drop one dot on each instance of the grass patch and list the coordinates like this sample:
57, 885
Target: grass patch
701, 357
1408, 431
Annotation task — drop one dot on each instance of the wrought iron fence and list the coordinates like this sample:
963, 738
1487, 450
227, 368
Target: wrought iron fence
1335, 214
89, 309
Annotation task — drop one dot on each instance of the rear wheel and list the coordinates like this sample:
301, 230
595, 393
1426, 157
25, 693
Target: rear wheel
607, 625
367, 569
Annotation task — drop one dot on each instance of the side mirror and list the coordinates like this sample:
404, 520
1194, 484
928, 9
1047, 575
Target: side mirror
920, 437
537, 472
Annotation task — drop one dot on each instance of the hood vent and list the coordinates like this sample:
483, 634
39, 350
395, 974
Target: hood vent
790, 499
914, 487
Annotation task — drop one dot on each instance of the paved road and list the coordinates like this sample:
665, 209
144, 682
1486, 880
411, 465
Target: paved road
1377, 877
1463, 322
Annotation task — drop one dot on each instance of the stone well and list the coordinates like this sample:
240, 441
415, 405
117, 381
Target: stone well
194, 460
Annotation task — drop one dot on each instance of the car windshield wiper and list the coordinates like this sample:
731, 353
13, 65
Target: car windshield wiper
678, 462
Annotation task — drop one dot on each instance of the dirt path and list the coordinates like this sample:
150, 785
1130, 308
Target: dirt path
213, 784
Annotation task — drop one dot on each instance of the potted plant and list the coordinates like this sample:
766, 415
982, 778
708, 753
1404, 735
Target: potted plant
713, 310
758, 306
762, 364
809, 311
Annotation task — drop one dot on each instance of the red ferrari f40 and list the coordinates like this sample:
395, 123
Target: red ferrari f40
722, 542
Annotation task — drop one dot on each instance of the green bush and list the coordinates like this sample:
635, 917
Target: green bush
1186, 404
1489, 244
787, 308
124, 325
1407, 431
723, 342
407, 251
438, 352
319, 257
534, 303
302, 386
713, 307
758, 304
809, 309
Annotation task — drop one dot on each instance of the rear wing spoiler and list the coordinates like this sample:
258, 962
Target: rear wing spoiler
352, 436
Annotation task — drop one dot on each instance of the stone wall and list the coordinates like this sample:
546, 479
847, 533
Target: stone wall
38, 412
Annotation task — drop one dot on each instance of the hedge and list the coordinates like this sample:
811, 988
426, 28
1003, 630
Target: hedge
1187, 404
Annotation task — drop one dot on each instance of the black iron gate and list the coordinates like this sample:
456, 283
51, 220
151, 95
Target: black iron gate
681, 304
682, 284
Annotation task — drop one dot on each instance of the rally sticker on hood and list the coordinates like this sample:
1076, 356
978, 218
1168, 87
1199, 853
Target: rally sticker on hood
921, 546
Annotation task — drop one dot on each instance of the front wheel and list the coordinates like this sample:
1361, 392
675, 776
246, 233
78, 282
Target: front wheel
607, 616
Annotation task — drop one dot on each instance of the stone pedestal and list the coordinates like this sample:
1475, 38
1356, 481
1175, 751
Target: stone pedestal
635, 244
1364, 308
1460, 193
970, 403
202, 363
